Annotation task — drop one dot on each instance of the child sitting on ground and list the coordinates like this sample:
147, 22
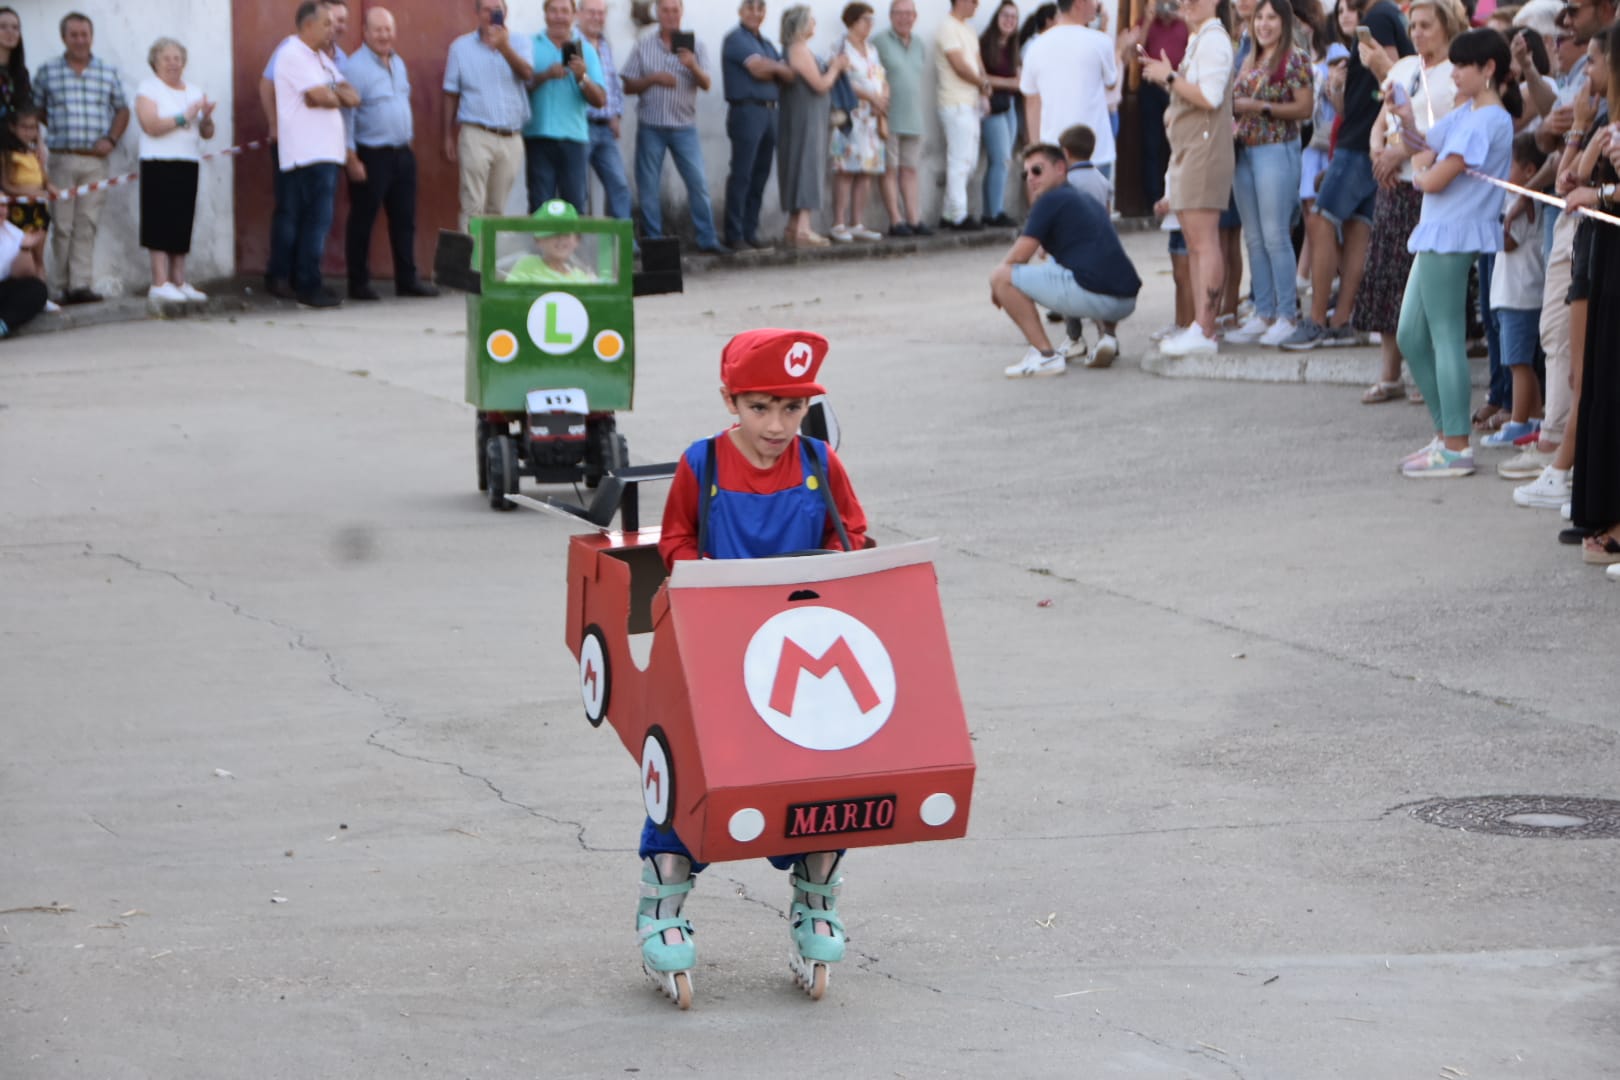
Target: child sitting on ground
1516, 288
1078, 143
764, 490
22, 173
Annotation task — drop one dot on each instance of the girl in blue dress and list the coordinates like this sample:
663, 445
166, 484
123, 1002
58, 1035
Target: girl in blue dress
1461, 219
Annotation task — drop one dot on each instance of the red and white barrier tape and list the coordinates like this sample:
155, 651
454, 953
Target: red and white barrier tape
102, 185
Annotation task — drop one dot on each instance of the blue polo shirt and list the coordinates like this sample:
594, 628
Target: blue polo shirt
1076, 231
739, 45
557, 106
490, 94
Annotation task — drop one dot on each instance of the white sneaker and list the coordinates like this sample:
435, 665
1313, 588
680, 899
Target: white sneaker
1070, 349
192, 293
1612, 571
841, 234
1188, 342
861, 232
52, 307
1280, 331
1034, 363
1164, 332
1549, 491
1103, 355
167, 292
1567, 511
1251, 330
1527, 465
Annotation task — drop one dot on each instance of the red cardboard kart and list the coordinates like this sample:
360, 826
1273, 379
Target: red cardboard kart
775, 706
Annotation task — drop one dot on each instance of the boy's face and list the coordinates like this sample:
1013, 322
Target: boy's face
765, 424
557, 248
1521, 173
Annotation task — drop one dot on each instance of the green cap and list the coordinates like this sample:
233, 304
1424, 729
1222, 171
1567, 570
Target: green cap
560, 211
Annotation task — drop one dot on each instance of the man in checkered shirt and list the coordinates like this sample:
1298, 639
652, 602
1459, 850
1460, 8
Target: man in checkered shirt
86, 114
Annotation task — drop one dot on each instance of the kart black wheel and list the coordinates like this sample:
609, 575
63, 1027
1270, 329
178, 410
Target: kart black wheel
595, 675
606, 451
481, 452
501, 457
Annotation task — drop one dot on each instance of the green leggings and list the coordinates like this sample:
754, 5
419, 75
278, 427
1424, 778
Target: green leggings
1433, 334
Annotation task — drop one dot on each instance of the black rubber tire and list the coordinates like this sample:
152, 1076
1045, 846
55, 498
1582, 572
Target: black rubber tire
607, 451
503, 472
480, 437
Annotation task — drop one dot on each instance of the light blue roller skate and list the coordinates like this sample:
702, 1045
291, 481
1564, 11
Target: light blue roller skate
665, 881
818, 932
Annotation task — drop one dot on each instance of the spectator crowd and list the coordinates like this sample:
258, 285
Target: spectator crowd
1407, 173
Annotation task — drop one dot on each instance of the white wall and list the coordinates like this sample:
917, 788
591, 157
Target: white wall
124, 32
712, 20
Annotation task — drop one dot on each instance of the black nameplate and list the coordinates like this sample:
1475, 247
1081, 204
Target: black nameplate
867, 814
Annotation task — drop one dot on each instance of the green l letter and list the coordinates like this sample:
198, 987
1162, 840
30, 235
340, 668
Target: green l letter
553, 335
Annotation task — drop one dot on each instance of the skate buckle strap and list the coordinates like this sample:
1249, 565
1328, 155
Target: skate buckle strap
830, 890
803, 914
651, 890
653, 927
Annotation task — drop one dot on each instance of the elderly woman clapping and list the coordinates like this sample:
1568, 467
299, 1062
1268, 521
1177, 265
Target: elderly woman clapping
174, 117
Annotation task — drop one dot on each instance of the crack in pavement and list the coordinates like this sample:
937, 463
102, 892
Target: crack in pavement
298, 641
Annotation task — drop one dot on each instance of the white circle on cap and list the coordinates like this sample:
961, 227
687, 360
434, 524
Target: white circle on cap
937, 809
798, 359
746, 824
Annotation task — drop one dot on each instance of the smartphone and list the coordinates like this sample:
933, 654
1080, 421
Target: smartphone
1364, 35
497, 18
683, 39
570, 49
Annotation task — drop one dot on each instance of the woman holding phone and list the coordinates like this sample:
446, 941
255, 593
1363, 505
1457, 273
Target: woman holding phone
1199, 184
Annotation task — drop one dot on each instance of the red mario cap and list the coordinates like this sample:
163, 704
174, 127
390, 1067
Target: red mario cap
783, 363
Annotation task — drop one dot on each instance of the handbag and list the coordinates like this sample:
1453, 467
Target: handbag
844, 104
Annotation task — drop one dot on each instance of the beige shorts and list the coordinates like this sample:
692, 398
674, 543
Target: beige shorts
904, 151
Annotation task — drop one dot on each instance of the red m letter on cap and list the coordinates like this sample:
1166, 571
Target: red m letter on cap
839, 656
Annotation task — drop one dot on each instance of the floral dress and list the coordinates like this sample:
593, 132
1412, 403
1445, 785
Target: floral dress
861, 148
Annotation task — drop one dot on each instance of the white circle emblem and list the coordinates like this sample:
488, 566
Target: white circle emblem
798, 359
593, 677
746, 824
937, 809
655, 780
558, 323
820, 678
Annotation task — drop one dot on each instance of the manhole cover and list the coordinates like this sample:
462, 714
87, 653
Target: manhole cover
1524, 815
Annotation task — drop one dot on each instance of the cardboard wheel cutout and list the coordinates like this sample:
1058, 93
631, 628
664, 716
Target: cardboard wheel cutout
595, 681
657, 779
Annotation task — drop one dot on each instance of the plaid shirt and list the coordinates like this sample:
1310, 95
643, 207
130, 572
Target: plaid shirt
610, 83
79, 109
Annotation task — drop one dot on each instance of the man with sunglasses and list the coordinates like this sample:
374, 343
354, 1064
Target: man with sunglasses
1088, 274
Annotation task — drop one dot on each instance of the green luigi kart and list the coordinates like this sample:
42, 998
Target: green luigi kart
551, 340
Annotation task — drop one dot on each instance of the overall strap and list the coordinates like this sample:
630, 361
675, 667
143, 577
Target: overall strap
705, 495
818, 468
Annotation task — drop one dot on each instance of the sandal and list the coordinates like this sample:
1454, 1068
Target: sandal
1484, 417
1414, 396
1601, 550
1380, 392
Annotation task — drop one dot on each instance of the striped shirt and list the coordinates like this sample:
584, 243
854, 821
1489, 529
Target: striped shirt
79, 109
661, 106
610, 83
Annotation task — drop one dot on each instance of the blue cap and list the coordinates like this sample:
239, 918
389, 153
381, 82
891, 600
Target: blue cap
1337, 52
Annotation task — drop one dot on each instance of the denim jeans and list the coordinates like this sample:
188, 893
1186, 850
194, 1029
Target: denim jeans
752, 131
556, 169
1500, 391
682, 143
608, 164
1266, 184
281, 231
311, 190
997, 133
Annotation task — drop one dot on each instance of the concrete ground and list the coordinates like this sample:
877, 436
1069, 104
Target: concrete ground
296, 783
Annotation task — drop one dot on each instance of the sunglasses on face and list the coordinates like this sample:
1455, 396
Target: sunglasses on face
1034, 171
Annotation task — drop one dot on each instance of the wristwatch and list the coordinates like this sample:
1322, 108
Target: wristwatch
180, 120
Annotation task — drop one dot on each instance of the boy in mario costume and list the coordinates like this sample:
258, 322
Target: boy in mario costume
755, 490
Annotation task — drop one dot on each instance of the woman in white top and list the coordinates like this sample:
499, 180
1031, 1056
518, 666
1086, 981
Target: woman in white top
1424, 78
174, 119
1199, 122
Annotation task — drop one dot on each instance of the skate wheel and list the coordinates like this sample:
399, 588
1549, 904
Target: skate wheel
682, 987
810, 975
818, 982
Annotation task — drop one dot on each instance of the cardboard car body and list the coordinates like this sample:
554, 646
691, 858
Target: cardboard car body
775, 706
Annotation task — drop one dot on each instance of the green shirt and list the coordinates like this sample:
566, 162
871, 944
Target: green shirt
904, 67
533, 270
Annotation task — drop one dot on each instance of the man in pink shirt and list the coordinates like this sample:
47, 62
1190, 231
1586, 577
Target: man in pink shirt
311, 93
